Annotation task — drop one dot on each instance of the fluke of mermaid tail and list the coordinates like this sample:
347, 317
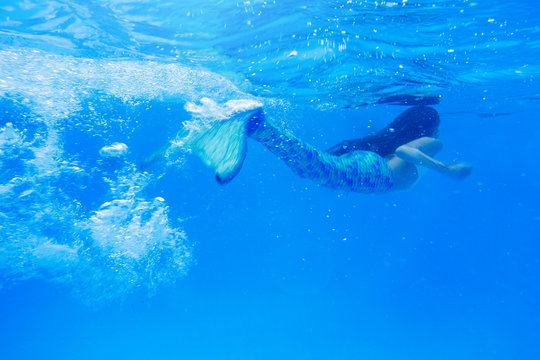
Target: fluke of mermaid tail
222, 147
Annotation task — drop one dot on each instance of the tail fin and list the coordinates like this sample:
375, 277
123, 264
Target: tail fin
223, 147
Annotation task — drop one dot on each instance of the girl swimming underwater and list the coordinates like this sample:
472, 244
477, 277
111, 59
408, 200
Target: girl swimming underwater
407, 141
374, 164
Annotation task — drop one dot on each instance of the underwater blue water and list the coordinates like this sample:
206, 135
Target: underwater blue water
100, 259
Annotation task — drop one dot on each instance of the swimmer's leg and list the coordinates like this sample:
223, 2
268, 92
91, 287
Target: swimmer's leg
406, 173
420, 152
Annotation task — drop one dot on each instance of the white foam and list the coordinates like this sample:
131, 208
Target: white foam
132, 239
114, 150
209, 109
129, 242
54, 85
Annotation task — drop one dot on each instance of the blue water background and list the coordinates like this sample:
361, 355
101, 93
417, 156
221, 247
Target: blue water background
269, 266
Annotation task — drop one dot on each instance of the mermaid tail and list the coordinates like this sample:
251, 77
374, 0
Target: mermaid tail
223, 147
359, 171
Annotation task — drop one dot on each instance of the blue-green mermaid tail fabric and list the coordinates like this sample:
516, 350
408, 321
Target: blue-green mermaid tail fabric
223, 148
359, 171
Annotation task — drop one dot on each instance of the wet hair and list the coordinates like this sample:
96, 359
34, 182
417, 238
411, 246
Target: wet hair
412, 124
